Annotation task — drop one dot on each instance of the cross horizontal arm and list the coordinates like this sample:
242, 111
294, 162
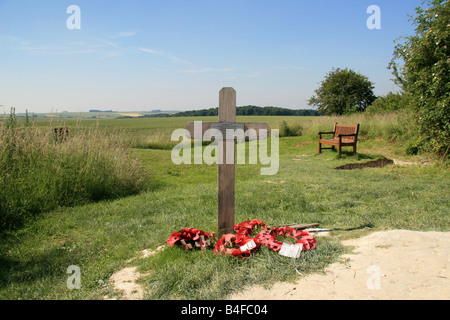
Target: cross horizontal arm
256, 126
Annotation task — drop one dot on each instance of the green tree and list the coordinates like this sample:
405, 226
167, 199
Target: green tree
421, 66
343, 92
389, 103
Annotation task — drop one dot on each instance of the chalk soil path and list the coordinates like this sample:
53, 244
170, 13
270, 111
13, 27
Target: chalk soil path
400, 265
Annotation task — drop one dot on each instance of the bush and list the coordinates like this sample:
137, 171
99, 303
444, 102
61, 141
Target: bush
292, 130
422, 68
412, 149
37, 174
389, 103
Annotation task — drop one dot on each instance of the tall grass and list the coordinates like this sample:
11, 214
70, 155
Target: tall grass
290, 130
397, 126
38, 174
156, 140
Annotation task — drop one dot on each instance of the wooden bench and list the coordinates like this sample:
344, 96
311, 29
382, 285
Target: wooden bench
344, 135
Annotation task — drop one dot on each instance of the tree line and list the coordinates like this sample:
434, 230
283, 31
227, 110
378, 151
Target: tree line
251, 111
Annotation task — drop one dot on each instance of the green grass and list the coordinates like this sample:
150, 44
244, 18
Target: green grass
39, 175
100, 238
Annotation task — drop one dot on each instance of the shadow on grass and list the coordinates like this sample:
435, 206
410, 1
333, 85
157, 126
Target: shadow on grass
334, 155
356, 157
14, 270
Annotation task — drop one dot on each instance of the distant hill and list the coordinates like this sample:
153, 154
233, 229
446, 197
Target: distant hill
250, 111
99, 114
240, 111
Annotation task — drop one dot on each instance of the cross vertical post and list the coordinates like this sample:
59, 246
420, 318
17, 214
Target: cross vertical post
226, 172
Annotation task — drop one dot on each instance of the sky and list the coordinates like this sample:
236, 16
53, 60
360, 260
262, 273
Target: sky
177, 54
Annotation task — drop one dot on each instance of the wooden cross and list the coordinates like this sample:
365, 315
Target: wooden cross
226, 173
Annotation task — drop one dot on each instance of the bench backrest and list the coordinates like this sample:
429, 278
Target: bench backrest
346, 129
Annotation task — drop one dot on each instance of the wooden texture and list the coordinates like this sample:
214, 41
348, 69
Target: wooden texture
299, 226
224, 126
303, 226
226, 174
344, 135
227, 105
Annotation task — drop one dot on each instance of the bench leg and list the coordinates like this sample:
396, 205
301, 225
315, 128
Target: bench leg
354, 149
320, 148
340, 149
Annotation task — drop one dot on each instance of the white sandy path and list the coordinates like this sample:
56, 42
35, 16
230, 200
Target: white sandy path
125, 281
411, 265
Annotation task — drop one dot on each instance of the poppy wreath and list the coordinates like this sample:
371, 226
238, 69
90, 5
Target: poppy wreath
190, 237
265, 238
231, 244
268, 238
228, 240
247, 227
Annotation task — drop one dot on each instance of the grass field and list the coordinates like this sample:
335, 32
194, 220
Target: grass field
102, 237
86, 115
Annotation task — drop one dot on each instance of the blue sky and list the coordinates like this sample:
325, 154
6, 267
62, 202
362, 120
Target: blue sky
177, 55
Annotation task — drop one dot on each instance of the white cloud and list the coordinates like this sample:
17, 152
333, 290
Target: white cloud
102, 48
123, 35
255, 74
176, 59
158, 52
166, 55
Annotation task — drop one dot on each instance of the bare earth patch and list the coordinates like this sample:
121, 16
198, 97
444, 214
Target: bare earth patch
125, 280
390, 265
